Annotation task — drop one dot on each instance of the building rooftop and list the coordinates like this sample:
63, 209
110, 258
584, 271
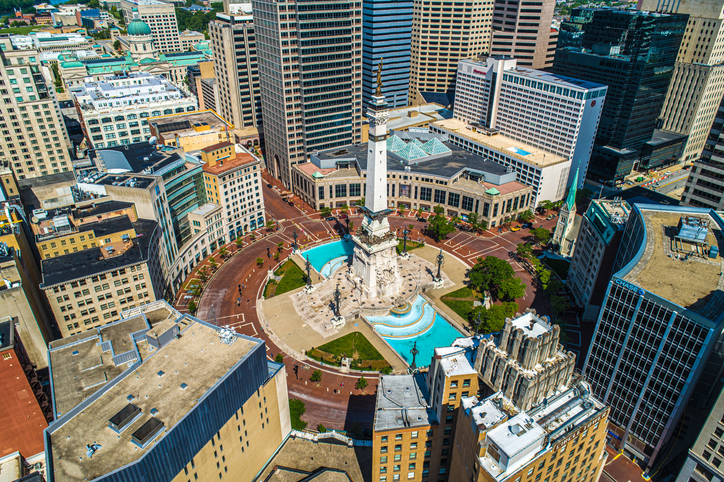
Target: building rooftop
406, 117
524, 435
677, 269
402, 402
531, 325
227, 165
190, 124
172, 375
524, 152
89, 262
454, 362
616, 210
21, 418
100, 208
108, 226
138, 158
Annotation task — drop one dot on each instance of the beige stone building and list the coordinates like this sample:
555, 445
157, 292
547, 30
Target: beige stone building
33, 135
90, 288
191, 131
442, 34
522, 29
697, 85
164, 393
236, 69
449, 176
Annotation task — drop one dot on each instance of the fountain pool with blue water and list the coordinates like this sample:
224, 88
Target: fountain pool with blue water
327, 258
421, 324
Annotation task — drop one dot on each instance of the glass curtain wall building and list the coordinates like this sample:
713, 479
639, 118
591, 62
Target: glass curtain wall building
634, 53
662, 316
310, 71
386, 34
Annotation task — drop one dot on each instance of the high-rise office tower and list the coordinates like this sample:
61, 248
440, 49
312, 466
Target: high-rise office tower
705, 185
698, 81
386, 30
522, 29
660, 321
705, 457
160, 16
310, 71
34, 137
236, 70
634, 53
442, 34
552, 112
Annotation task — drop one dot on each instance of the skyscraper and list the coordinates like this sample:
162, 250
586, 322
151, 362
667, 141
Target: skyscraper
386, 34
705, 457
442, 34
705, 185
661, 318
310, 71
236, 69
34, 137
522, 29
160, 16
698, 81
634, 53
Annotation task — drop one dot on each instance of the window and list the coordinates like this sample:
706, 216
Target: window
440, 196
453, 199
425, 194
340, 190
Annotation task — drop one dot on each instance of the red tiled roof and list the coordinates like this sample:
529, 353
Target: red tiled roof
21, 419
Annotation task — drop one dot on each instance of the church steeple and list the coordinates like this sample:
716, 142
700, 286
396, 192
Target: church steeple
571, 198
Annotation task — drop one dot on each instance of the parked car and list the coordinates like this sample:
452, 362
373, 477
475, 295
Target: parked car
331, 218
421, 219
342, 216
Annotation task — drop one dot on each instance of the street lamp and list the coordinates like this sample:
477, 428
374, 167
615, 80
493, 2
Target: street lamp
440, 261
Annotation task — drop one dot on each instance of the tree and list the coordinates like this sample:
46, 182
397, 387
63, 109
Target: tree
438, 209
544, 276
491, 320
269, 225
553, 286
276, 256
410, 227
488, 273
321, 428
213, 263
344, 208
361, 383
280, 246
526, 216
279, 358
316, 376
402, 210
204, 274
260, 262
296, 410
117, 45
510, 289
361, 201
223, 251
560, 305
438, 226
541, 235
239, 242
325, 212
524, 250
474, 221
545, 205
192, 307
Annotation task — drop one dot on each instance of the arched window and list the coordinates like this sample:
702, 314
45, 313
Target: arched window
155, 113
179, 110
167, 111
190, 108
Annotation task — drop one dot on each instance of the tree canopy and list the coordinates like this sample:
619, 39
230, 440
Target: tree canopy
492, 320
438, 226
497, 276
526, 216
541, 235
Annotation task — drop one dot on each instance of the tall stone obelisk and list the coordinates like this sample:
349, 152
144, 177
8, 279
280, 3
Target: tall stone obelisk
375, 255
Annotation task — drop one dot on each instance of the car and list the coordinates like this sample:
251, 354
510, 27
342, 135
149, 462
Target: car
342, 216
421, 219
527, 225
331, 218
269, 186
515, 228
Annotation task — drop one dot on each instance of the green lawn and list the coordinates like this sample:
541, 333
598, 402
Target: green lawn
296, 410
351, 343
21, 30
559, 266
460, 301
410, 246
292, 278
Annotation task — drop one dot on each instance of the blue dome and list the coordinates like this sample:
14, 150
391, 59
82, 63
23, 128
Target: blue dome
138, 27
